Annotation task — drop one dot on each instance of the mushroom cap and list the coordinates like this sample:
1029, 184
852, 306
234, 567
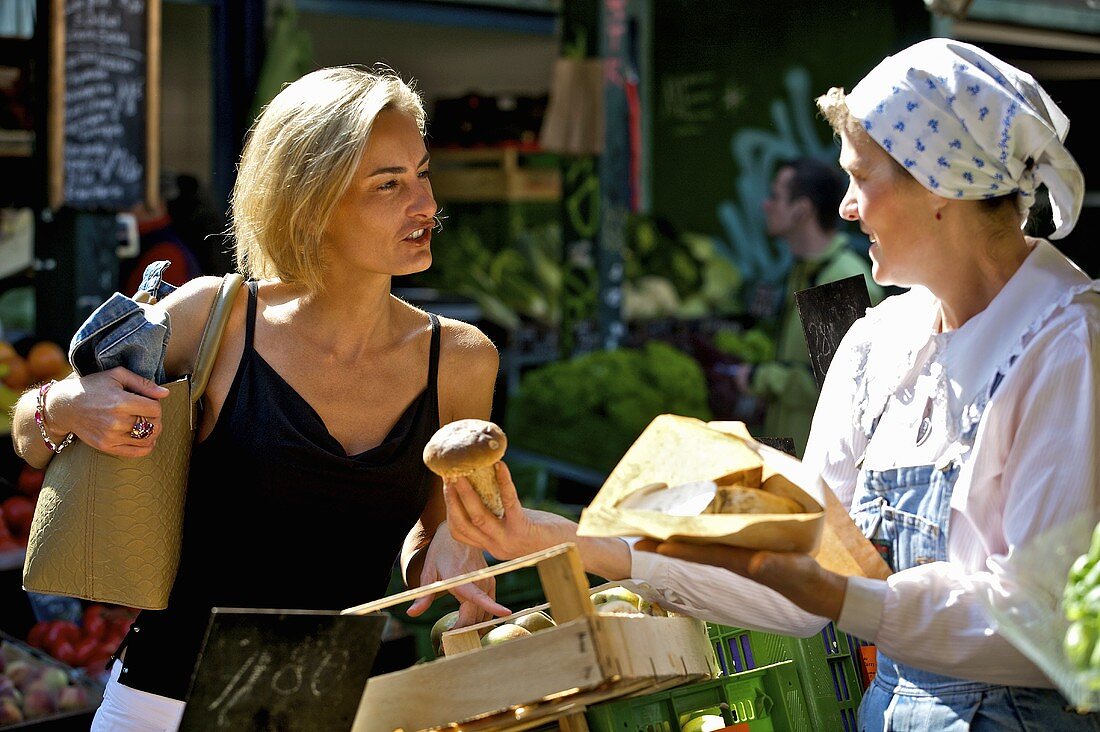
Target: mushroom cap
461, 447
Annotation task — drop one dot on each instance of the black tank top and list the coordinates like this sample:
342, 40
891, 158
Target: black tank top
279, 516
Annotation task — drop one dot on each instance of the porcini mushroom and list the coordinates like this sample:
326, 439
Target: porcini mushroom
469, 448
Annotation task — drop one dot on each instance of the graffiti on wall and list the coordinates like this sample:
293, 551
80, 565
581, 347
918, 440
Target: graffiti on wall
756, 152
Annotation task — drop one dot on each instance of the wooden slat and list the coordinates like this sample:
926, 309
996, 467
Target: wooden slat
461, 641
493, 679
566, 587
535, 680
442, 585
55, 113
573, 723
152, 104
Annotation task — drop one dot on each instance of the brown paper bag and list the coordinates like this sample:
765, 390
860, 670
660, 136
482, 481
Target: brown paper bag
678, 450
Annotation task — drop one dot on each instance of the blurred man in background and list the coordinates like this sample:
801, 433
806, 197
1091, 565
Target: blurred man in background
802, 209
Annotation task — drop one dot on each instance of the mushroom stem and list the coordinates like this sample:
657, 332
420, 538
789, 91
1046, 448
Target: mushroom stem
484, 481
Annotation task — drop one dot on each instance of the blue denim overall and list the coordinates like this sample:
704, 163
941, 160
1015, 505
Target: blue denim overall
906, 513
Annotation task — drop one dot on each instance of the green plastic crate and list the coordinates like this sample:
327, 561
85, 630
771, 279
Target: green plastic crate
827, 665
766, 699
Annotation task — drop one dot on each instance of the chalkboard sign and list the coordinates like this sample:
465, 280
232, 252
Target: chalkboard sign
827, 312
275, 670
783, 444
103, 113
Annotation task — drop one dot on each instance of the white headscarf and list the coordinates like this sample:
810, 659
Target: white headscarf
967, 125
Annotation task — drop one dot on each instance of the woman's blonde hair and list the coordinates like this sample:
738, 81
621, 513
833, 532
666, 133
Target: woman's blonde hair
298, 161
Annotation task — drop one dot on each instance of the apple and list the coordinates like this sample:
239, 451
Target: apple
38, 702
7, 688
10, 712
73, 698
535, 621
23, 673
12, 652
504, 633
54, 678
445, 623
617, 593
618, 607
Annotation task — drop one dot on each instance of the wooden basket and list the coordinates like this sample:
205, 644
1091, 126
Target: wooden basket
550, 675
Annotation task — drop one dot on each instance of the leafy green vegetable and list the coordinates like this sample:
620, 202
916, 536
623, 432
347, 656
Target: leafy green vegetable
588, 410
696, 276
1081, 605
749, 346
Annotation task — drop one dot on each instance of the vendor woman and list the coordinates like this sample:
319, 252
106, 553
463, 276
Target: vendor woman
960, 421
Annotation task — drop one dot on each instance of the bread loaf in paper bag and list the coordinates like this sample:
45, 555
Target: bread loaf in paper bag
687, 480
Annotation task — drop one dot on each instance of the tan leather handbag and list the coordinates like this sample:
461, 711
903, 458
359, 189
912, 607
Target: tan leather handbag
108, 529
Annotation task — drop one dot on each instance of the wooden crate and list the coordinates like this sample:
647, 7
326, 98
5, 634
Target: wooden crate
548, 676
491, 174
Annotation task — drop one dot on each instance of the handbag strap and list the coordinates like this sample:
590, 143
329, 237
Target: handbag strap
212, 333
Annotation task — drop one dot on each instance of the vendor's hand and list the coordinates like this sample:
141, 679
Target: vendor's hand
448, 558
798, 577
521, 531
101, 409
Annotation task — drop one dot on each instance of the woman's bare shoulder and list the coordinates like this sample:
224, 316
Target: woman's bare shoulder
188, 308
468, 366
465, 346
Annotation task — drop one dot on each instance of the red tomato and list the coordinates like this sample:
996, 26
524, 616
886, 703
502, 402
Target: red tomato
18, 511
94, 626
30, 480
84, 651
65, 652
97, 665
5, 532
37, 634
60, 631
95, 609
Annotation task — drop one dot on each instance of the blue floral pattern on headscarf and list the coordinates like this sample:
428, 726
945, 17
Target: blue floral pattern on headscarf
967, 125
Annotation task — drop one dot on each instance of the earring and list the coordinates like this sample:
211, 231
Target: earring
939, 216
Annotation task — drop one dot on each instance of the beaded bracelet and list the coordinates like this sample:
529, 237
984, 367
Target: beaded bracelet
40, 420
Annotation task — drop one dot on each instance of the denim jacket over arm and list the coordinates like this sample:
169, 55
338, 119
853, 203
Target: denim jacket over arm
124, 332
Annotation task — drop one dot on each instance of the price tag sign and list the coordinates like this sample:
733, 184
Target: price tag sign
827, 312
281, 670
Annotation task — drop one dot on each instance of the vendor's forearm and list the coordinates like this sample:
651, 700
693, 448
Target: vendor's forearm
607, 557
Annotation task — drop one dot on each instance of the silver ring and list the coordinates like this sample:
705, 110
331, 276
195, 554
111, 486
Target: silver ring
142, 428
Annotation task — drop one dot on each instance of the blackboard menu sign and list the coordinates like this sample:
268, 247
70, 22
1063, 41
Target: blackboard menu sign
275, 670
104, 86
827, 312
